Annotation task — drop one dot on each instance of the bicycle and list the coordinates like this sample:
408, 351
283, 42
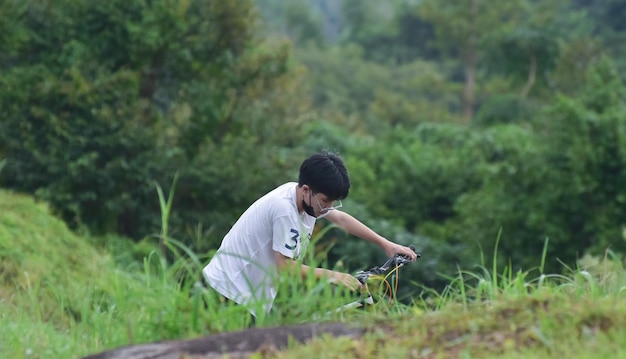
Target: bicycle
391, 266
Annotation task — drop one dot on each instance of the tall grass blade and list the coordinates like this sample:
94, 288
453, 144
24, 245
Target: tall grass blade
544, 255
166, 207
495, 260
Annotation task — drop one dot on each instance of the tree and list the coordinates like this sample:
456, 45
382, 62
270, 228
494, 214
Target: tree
560, 180
531, 46
461, 28
99, 99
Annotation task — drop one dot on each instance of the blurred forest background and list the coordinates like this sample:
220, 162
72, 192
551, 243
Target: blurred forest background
462, 122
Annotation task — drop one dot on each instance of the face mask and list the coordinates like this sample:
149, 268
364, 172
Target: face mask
308, 209
311, 211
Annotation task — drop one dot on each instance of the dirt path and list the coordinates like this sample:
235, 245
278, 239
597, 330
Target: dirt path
240, 344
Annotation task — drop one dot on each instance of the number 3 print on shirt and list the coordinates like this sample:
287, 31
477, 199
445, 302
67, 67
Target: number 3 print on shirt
294, 238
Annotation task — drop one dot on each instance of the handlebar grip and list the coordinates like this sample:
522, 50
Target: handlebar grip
362, 277
411, 247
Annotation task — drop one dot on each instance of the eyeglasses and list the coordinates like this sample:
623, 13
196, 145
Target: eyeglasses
325, 210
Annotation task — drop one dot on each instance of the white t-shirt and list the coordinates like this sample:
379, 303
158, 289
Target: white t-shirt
244, 267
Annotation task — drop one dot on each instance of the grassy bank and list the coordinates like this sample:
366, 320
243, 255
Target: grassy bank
64, 296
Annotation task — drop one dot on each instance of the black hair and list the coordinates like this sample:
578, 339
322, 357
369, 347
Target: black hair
325, 173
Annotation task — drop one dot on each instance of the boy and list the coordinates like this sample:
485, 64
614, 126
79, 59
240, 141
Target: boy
275, 230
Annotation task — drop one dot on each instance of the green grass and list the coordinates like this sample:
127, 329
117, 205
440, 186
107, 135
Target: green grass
64, 296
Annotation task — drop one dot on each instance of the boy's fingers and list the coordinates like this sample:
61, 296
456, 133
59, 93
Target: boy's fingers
352, 283
410, 253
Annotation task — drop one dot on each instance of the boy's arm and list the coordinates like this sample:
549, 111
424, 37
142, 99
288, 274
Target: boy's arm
353, 226
286, 263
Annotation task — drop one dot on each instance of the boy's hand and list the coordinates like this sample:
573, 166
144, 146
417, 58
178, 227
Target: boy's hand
393, 248
345, 280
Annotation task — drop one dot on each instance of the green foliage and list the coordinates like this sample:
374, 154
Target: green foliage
460, 26
418, 177
574, 60
503, 109
389, 32
100, 98
77, 143
370, 98
516, 186
527, 48
604, 19
588, 136
303, 21
414, 185
525, 53
557, 180
561, 183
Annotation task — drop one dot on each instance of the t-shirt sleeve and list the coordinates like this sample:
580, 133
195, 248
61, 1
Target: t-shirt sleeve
287, 236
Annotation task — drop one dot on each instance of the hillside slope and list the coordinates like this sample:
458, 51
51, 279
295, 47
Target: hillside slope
38, 250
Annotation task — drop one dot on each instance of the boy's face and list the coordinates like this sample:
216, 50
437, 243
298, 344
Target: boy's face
319, 204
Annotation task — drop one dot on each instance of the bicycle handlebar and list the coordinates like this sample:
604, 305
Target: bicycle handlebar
397, 260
